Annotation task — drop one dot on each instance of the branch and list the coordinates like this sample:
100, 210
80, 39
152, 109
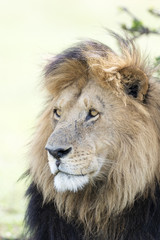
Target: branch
139, 31
138, 28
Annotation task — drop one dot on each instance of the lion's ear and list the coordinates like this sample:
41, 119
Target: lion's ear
134, 81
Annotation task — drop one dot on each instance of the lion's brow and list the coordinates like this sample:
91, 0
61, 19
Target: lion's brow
100, 101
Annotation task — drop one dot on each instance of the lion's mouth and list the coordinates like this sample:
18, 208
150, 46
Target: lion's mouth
70, 174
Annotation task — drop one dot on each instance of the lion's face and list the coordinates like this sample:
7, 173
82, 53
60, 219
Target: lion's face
76, 146
84, 142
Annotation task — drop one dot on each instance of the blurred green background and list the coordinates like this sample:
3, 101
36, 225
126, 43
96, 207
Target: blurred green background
29, 32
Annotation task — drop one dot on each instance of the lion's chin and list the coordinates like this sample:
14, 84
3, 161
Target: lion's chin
64, 182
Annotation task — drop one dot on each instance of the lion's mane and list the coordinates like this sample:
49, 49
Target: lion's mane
124, 204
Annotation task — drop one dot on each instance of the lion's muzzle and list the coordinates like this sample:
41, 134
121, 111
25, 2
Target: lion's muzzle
58, 153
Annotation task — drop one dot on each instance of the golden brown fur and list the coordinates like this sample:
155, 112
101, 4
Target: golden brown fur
134, 166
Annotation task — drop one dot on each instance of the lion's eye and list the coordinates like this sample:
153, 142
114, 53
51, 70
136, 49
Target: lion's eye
92, 114
57, 113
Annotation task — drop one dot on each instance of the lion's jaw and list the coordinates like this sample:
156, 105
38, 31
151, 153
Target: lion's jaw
64, 179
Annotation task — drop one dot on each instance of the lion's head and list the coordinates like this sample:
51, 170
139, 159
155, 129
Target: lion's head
96, 145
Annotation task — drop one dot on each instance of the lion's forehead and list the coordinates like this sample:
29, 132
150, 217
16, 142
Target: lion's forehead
91, 96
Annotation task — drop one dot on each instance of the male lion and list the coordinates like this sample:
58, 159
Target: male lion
95, 157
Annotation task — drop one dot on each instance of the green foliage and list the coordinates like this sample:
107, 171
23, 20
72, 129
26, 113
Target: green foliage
157, 63
136, 25
137, 28
158, 60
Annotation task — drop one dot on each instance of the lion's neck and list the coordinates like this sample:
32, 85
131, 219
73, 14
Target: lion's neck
95, 206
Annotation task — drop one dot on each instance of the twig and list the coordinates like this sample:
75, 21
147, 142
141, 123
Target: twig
154, 12
129, 13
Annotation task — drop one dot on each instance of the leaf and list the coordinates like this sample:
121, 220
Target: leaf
136, 25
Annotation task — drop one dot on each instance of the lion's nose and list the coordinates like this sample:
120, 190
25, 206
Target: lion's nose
59, 152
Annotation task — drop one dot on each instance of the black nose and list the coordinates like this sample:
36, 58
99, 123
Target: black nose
59, 152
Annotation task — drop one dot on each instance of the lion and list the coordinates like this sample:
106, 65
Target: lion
95, 155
